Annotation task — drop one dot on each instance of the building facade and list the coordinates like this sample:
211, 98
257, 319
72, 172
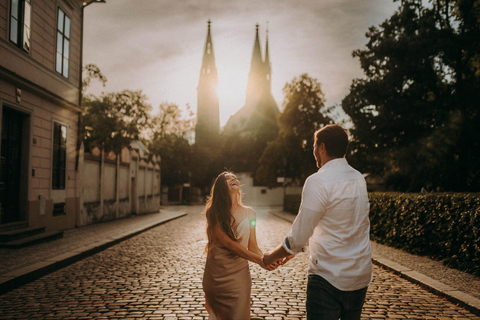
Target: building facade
40, 92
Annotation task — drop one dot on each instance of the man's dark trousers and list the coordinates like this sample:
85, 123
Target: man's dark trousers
325, 302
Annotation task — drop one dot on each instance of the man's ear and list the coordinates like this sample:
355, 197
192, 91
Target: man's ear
321, 148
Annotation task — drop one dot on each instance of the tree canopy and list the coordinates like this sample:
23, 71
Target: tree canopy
168, 138
114, 119
91, 72
416, 112
291, 153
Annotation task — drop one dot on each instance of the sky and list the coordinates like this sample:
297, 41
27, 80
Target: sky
157, 45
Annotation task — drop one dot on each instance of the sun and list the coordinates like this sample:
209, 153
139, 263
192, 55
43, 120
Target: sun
232, 83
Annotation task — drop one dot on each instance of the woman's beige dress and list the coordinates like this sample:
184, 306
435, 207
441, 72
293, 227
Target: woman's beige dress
226, 280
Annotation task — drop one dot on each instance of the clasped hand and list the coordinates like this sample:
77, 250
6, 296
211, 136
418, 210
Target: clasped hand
269, 264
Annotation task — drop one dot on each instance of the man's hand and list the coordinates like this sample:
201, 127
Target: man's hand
286, 259
279, 256
268, 260
269, 267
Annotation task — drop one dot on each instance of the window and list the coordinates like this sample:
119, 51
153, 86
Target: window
20, 20
59, 209
59, 156
63, 43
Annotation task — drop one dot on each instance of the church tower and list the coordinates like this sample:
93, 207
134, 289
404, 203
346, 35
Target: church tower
260, 109
256, 75
268, 66
208, 116
249, 130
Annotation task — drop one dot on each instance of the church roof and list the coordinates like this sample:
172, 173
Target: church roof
245, 118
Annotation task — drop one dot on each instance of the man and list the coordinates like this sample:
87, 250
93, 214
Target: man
333, 219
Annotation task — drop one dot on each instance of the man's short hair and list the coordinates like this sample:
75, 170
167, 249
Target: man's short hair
335, 139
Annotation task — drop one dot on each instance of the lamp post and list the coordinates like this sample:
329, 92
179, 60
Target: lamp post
80, 84
84, 5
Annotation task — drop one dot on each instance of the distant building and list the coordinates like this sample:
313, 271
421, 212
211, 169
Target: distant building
260, 109
40, 90
207, 128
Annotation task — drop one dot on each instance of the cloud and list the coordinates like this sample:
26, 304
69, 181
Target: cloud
157, 45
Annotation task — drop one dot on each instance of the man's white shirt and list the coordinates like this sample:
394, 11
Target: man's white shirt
333, 217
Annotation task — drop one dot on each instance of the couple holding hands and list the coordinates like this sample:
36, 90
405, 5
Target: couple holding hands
332, 219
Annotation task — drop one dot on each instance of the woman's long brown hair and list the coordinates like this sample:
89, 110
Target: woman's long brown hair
217, 210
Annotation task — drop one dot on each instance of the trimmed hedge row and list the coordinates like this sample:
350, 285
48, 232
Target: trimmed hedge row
443, 226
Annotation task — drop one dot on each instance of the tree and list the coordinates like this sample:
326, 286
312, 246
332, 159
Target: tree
169, 131
291, 153
114, 119
415, 113
170, 121
206, 164
243, 148
92, 72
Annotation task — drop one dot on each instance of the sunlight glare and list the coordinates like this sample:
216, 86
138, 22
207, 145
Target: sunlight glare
232, 84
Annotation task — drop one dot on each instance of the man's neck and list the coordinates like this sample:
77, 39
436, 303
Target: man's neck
327, 159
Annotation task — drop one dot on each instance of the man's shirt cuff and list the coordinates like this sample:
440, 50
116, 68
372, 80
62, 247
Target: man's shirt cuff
286, 246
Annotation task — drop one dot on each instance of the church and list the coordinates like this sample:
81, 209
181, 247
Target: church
256, 117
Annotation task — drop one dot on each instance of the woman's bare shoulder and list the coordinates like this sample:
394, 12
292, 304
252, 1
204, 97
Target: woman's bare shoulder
252, 215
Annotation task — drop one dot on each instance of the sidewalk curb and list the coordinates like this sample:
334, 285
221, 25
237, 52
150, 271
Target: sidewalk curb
455, 296
16, 278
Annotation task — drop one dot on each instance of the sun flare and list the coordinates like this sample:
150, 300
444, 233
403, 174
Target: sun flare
232, 83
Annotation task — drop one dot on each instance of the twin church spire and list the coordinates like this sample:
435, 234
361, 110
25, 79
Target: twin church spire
260, 73
208, 62
258, 87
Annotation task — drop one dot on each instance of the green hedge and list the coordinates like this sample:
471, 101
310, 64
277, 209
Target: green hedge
443, 226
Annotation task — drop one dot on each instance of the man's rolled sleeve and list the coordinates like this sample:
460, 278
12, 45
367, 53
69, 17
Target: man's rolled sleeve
286, 246
311, 212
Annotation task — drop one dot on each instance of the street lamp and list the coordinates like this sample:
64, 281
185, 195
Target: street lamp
80, 84
86, 3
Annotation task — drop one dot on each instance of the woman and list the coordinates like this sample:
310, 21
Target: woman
232, 242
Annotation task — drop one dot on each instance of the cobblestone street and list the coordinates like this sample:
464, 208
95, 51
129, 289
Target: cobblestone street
158, 275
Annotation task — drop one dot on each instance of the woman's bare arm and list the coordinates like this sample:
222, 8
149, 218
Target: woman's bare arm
235, 247
252, 242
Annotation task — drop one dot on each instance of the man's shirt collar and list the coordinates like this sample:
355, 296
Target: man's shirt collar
334, 163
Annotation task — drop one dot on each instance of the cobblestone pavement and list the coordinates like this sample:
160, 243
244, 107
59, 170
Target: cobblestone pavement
158, 275
13, 259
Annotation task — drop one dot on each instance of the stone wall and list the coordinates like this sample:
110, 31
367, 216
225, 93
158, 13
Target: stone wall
117, 185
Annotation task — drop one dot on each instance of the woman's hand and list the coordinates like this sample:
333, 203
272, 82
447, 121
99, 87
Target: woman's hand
279, 257
269, 267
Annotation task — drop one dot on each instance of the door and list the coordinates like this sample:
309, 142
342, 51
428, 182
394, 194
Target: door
10, 165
